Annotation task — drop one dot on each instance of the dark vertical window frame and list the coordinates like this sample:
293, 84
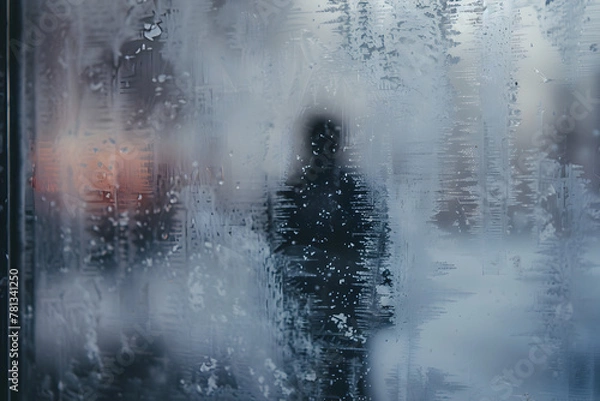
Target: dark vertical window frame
4, 235
14, 65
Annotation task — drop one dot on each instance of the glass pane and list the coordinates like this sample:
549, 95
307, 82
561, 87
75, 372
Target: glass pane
303, 200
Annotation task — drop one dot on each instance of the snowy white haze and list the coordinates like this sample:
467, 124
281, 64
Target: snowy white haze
173, 180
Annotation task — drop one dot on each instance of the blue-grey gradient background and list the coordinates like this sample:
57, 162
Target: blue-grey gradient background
156, 134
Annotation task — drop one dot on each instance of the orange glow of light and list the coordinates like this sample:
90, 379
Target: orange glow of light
94, 168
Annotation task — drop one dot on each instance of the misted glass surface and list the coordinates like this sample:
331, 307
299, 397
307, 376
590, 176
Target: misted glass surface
310, 200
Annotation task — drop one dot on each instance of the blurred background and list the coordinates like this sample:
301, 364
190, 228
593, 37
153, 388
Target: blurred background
157, 138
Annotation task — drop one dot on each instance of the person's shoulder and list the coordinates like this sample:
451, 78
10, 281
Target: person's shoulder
347, 178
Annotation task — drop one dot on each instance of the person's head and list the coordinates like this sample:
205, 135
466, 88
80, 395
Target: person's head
319, 144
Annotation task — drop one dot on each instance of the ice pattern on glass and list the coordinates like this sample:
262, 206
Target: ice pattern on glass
310, 200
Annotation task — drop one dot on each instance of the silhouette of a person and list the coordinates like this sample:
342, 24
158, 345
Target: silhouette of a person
326, 222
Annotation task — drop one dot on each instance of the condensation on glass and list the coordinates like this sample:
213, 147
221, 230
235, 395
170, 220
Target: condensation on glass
310, 200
